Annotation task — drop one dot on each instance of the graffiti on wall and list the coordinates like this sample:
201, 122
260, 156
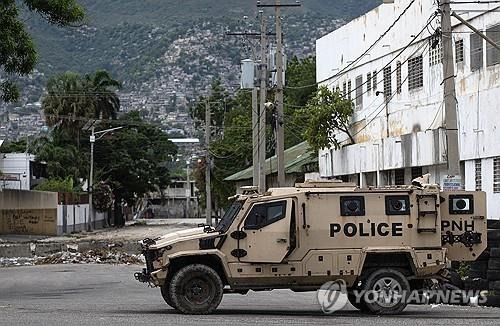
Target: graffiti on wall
34, 221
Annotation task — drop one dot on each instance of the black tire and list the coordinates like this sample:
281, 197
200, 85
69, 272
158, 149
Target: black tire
479, 266
494, 263
495, 253
493, 275
353, 300
494, 235
196, 290
165, 293
386, 284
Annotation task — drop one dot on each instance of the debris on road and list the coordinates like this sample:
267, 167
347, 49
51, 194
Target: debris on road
68, 257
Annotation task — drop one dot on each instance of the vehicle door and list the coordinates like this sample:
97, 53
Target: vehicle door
264, 233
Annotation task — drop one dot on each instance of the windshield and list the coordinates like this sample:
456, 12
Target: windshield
228, 218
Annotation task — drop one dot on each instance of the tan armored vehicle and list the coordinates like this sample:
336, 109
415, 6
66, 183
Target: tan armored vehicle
375, 239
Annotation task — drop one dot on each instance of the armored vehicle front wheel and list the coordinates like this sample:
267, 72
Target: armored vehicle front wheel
386, 292
196, 289
165, 293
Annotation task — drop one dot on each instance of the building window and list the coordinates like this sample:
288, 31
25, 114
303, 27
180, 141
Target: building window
359, 92
492, 54
478, 175
398, 77
349, 90
387, 82
337, 89
416, 172
399, 177
374, 80
369, 82
496, 175
435, 52
459, 51
415, 73
476, 52
344, 90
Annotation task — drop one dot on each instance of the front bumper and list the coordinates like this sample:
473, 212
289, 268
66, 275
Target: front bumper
151, 275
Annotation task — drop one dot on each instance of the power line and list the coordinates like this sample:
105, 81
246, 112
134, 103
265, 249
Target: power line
364, 53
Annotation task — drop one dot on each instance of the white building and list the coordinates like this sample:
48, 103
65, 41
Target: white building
399, 134
20, 171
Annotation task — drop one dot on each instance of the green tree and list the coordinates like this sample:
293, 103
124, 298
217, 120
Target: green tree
103, 86
300, 88
324, 116
71, 99
18, 55
134, 161
220, 103
14, 147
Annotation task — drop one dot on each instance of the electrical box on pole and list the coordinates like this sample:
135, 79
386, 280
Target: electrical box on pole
249, 71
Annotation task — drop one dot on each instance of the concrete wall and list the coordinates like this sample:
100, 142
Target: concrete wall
28, 212
38, 213
407, 131
74, 218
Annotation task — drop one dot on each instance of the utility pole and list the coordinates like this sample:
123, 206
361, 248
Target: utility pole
280, 121
188, 192
208, 163
91, 181
262, 113
450, 99
255, 135
255, 106
93, 139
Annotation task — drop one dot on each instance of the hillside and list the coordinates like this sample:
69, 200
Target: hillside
169, 45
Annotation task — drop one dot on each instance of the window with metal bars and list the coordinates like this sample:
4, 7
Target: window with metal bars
349, 90
435, 51
496, 175
478, 175
459, 51
369, 82
416, 172
398, 77
387, 82
415, 73
476, 52
359, 92
344, 90
492, 54
374, 80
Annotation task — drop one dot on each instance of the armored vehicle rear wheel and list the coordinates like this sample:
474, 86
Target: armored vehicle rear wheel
196, 289
386, 292
165, 293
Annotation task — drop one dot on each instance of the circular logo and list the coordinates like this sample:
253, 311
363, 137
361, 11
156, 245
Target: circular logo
332, 296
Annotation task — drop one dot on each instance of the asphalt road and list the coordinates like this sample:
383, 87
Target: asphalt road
108, 295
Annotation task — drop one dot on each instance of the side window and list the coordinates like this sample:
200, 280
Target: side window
265, 214
352, 206
397, 205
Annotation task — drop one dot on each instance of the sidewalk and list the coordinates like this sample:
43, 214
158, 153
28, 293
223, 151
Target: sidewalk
117, 239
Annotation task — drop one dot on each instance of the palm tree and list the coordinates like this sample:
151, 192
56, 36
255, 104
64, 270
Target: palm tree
103, 87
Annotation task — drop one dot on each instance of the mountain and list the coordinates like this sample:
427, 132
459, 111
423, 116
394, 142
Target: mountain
157, 47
